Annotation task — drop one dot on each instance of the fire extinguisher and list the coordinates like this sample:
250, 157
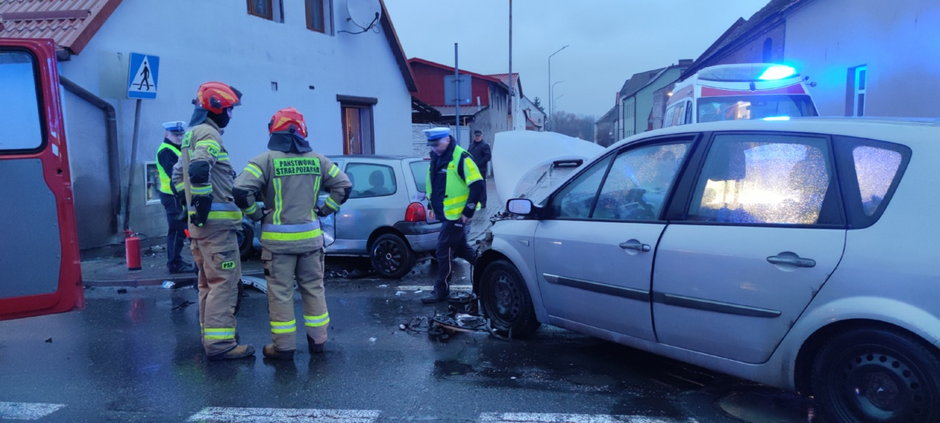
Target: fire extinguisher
132, 250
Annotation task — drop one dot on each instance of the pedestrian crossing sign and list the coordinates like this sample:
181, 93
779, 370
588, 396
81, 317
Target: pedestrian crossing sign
142, 76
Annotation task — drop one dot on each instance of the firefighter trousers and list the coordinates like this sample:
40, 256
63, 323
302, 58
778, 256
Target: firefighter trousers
280, 271
216, 255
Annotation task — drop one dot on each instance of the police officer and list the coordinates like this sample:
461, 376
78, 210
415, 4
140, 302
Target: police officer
168, 153
289, 177
454, 187
206, 176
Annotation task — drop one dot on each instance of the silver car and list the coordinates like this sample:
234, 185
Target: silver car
792, 253
385, 217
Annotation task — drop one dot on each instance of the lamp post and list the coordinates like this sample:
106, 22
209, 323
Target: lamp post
551, 98
550, 79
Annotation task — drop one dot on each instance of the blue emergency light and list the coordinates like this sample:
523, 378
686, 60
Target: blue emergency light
777, 72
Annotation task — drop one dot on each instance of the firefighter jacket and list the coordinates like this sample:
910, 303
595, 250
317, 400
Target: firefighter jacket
167, 156
289, 184
453, 181
204, 169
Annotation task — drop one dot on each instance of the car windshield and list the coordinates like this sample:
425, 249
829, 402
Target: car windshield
712, 109
419, 169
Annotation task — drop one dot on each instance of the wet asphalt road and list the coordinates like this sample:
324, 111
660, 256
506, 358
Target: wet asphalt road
135, 357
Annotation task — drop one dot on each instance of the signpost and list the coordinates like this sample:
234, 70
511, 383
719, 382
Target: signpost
142, 77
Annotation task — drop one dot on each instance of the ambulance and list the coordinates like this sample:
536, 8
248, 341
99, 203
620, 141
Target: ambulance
739, 91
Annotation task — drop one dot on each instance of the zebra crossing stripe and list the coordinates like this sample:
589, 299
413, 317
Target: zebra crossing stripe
27, 410
282, 415
567, 418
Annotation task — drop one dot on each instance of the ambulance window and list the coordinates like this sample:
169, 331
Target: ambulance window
20, 121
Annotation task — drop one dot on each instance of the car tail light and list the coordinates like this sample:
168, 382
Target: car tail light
415, 213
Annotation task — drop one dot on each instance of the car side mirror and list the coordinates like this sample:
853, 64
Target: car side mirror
520, 206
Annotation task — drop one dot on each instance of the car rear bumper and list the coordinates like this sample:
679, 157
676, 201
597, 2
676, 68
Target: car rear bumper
421, 235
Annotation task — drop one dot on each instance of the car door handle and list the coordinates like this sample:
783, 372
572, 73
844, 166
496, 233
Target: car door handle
635, 245
791, 259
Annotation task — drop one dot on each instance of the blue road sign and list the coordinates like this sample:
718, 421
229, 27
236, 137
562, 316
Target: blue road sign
142, 76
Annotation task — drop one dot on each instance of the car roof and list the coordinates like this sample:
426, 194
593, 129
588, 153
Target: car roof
371, 157
908, 131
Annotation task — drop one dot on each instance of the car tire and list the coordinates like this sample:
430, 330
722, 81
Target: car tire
877, 375
246, 238
506, 301
391, 256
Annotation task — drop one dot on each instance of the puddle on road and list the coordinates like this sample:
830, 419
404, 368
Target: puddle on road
769, 407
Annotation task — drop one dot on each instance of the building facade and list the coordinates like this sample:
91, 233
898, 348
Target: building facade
348, 76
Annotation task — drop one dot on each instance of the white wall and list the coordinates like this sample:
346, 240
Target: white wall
899, 41
200, 41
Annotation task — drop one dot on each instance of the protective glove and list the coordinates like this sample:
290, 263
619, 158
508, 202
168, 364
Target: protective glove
323, 211
180, 199
201, 205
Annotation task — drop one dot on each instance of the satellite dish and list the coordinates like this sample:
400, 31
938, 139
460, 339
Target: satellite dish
363, 13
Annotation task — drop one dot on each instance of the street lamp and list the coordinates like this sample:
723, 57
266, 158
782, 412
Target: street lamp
550, 78
551, 97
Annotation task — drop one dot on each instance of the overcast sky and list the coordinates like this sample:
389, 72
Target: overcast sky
609, 40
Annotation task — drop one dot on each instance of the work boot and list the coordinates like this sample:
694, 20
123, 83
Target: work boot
183, 268
237, 352
315, 348
270, 351
435, 297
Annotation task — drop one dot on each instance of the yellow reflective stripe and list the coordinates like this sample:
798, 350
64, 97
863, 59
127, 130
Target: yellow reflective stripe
278, 201
284, 327
455, 200
329, 202
224, 215
317, 321
290, 236
203, 190
316, 186
209, 144
219, 333
252, 209
471, 171
223, 157
254, 170
180, 187
334, 170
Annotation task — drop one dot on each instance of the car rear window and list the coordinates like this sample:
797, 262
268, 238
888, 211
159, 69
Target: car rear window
371, 180
870, 171
420, 171
875, 169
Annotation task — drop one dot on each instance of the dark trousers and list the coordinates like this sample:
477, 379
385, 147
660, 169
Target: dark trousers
175, 234
483, 170
451, 242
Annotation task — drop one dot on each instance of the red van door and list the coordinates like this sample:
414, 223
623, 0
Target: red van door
39, 261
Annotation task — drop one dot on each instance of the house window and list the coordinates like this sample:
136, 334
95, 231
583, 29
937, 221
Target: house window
151, 187
271, 10
358, 130
319, 15
768, 55
858, 86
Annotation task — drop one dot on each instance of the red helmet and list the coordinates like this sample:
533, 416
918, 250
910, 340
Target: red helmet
217, 96
287, 119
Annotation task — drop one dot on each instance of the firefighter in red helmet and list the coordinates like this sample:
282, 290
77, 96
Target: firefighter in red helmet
205, 175
288, 177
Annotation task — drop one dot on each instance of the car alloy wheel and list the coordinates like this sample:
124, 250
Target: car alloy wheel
873, 375
391, 256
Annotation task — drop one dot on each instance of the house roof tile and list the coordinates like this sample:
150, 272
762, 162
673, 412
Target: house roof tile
70, 23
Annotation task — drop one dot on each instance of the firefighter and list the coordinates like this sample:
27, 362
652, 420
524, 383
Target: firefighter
168, 153
206, 177
289, 177
454, 186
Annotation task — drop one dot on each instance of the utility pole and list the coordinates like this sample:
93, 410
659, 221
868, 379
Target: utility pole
457, 93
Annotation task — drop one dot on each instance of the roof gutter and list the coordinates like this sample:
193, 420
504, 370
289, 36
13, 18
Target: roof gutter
110, 122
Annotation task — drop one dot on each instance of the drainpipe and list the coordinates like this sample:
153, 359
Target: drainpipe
110, 122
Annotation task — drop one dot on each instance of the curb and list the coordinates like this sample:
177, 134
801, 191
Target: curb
148, 281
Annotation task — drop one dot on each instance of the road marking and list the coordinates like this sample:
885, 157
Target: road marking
27, 410
567, 418
282, 415
461, 288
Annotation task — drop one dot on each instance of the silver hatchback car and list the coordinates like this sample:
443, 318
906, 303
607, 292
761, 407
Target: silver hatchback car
792, 253
385, 217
